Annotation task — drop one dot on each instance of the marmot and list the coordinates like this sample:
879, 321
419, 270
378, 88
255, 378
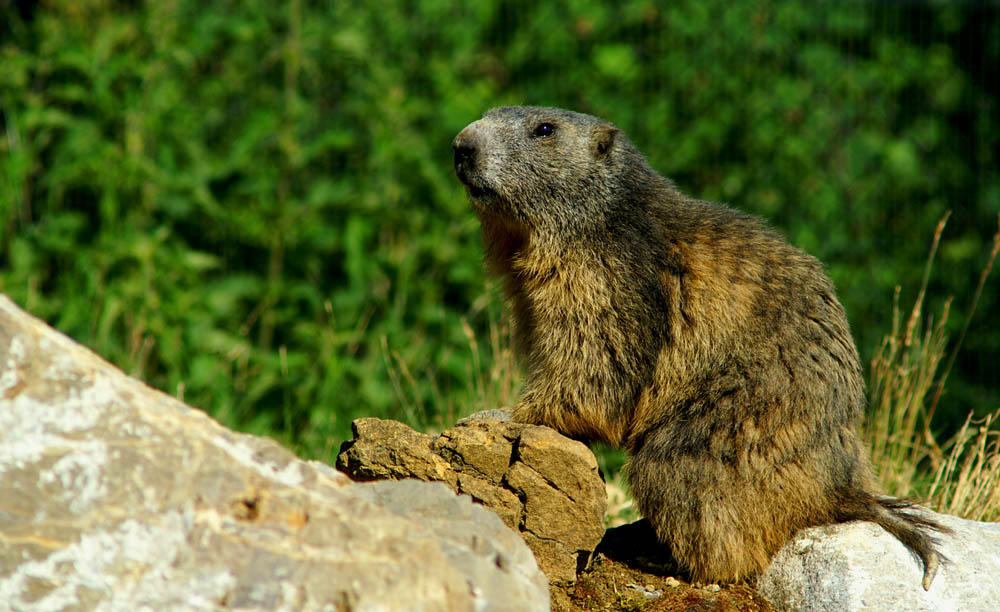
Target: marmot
687, 332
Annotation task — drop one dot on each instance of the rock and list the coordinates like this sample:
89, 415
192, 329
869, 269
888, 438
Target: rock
859, 566
115, 496
542, 484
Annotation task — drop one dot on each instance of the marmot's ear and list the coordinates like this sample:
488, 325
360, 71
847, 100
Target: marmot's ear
602, 137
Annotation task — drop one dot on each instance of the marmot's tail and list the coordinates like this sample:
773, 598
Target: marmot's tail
900, 518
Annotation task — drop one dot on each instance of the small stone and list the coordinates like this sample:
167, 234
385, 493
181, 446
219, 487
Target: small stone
647, 592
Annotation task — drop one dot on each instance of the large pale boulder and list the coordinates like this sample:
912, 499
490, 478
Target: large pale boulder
114, 496
859, 566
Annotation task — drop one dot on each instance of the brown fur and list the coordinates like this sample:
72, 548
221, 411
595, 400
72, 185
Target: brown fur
686, 331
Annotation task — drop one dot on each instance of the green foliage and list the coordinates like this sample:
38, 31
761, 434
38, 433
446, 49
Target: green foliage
252, 204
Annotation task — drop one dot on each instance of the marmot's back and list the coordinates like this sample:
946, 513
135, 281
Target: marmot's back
688, 332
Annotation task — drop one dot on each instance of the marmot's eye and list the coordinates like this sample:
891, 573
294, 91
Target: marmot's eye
544, 130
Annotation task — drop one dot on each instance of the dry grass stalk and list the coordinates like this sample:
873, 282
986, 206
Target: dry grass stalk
961, 477
968, 482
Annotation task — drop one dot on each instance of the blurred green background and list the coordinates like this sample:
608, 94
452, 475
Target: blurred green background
251, 205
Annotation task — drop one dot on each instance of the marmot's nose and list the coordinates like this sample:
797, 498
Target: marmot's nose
465, 146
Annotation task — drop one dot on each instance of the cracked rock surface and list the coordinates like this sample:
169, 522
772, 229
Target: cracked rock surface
114, 496
542, 484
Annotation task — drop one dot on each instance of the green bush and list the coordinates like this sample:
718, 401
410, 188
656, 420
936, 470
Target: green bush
251, 205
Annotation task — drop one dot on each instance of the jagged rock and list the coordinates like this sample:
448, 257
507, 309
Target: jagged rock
115, 496
542, 484
859, 566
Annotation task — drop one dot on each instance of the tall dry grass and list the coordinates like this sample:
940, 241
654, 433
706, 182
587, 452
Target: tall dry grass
909, 372
492, 377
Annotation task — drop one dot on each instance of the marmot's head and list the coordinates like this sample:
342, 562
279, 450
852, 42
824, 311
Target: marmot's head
547, 170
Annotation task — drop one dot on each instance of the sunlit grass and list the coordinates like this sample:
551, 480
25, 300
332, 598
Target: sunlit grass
491, 375
961, 475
